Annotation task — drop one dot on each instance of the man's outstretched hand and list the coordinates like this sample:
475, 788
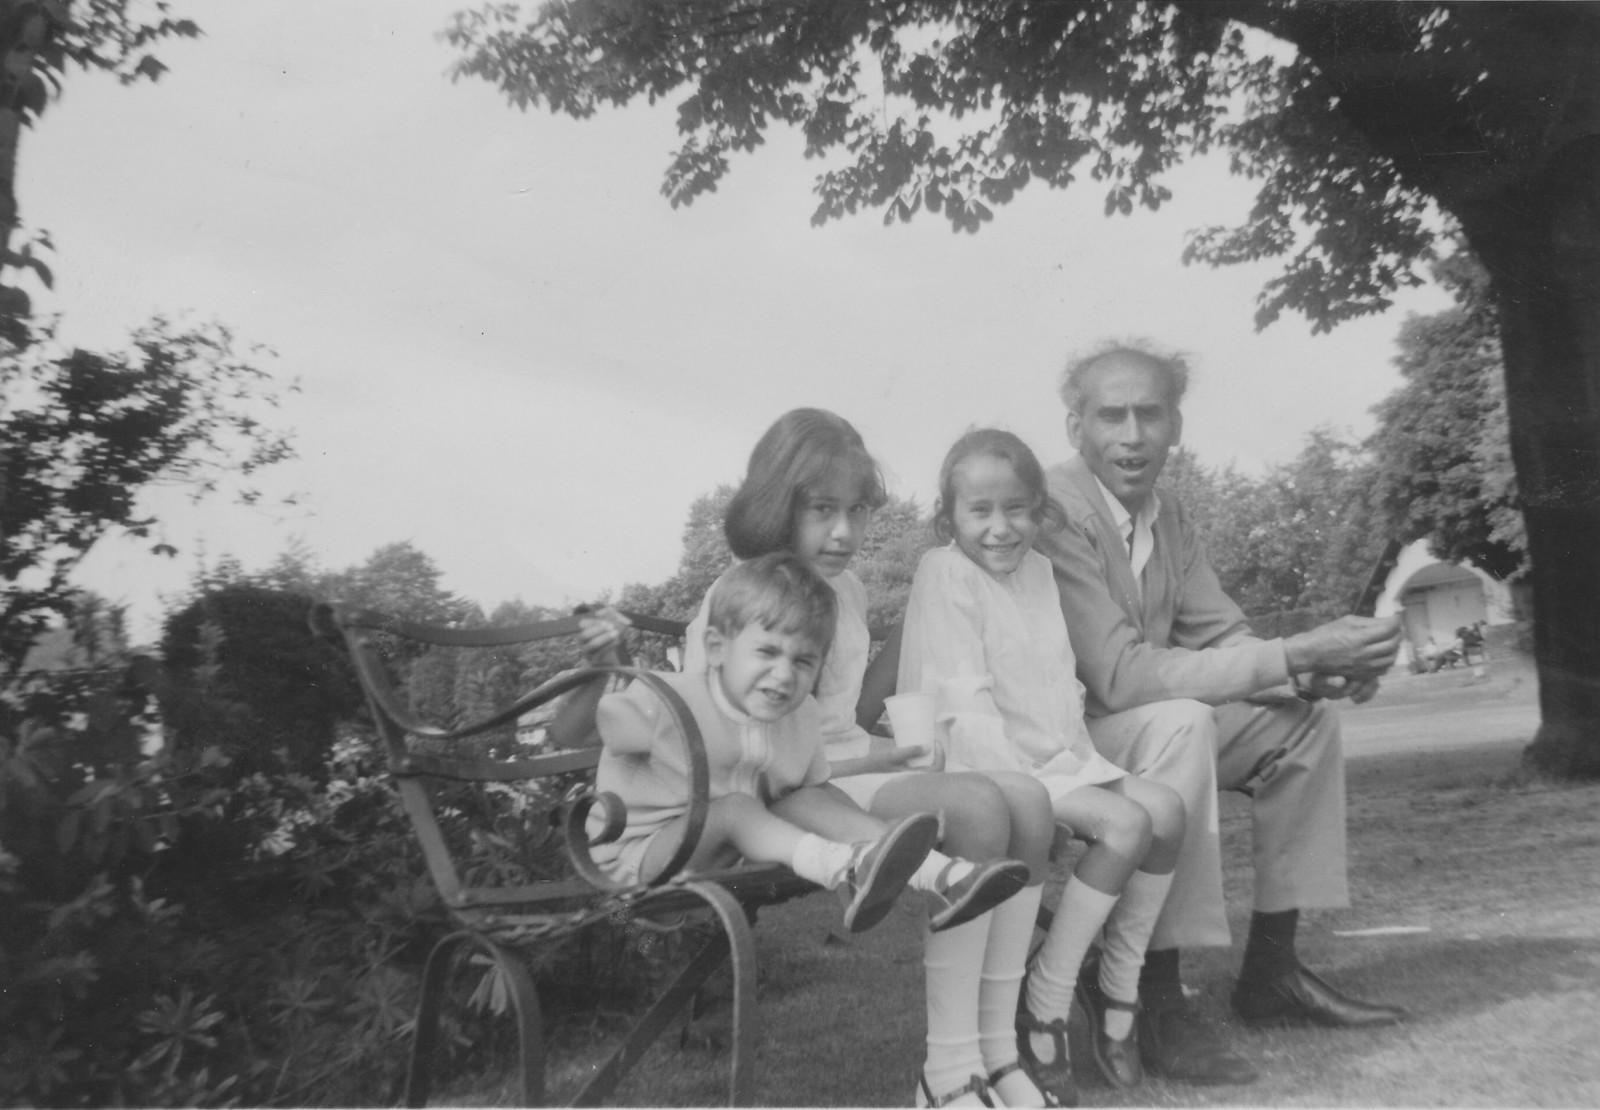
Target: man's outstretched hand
1352, 647
1337, 686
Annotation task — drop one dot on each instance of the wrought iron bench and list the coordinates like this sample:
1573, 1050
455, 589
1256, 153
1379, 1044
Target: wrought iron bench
430, 764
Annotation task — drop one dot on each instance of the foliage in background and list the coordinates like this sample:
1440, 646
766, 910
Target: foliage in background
895, 540
1443, 444
1301, 539
39, 39
705, 555
83, 434
209, 923
243, 671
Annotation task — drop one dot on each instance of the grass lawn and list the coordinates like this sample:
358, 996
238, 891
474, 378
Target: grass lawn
1446, 836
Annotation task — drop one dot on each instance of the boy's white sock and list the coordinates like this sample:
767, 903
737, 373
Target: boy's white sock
952, 964
932, 870
824, 862
1127, 935
1010, 931
1079, 915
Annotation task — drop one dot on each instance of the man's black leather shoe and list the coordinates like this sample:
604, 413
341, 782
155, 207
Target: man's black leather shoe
1300, 996
1176, 1043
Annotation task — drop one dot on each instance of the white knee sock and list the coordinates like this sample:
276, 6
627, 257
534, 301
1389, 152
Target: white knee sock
1010, 931
932, 870
824, 862
952, 963
1128, 932
1079, 915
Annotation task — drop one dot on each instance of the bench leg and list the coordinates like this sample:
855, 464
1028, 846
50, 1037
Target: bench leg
524, 1002
419, 1076
735, 939
530, 1020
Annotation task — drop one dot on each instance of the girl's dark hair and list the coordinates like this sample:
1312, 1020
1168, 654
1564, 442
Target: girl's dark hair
1006, 447
801, 453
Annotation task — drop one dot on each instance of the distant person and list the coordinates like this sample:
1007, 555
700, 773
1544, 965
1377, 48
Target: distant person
1430, 655
1454, 652
1180, 692
984, 633
810, 489
769, 630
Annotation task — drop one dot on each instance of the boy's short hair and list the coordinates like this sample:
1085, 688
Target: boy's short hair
779, 591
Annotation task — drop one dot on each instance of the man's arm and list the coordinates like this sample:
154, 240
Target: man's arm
1121, 670
1356, 648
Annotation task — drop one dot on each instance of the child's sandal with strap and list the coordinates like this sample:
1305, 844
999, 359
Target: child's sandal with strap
1118, 1060
974, 1086
1055, 1076
1004, 1070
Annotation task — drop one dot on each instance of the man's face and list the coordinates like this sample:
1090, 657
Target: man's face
1126, 427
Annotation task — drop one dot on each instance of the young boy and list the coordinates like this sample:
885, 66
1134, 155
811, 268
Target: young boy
771, 623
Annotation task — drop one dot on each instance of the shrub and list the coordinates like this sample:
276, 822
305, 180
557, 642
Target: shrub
196, 925
245, 672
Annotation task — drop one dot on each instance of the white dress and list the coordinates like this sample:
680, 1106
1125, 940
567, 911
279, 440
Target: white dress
838, 685
995, 652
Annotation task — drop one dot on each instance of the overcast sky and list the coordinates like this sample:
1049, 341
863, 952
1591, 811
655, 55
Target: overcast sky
515, 354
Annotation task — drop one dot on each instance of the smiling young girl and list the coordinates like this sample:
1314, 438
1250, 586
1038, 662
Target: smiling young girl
811, 488
984, 632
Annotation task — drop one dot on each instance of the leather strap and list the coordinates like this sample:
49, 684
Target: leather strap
973, 1086
1004, 1070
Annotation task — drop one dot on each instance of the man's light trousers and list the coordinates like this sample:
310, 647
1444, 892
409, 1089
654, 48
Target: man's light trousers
1286, 756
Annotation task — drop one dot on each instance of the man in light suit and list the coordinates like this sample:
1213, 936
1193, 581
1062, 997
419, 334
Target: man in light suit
1180, 692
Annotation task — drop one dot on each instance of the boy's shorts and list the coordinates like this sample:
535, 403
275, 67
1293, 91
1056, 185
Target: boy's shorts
622, 861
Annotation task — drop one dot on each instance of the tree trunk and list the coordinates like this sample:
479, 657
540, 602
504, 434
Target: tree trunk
1540, 241
24, 28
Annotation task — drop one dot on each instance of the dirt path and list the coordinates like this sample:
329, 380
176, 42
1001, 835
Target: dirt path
1420, 713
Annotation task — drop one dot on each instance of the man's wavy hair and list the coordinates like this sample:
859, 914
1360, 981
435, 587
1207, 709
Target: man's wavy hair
1173, 366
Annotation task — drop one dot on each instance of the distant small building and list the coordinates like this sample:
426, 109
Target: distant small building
1437, 597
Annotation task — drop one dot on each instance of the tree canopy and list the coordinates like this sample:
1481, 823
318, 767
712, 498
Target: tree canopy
953, 108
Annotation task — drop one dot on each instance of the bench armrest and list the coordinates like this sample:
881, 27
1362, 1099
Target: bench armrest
584, 799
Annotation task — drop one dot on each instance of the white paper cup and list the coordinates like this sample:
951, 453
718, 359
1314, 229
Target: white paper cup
912, 717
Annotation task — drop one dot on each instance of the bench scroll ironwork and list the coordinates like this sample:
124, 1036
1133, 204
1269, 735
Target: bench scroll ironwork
507, 923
